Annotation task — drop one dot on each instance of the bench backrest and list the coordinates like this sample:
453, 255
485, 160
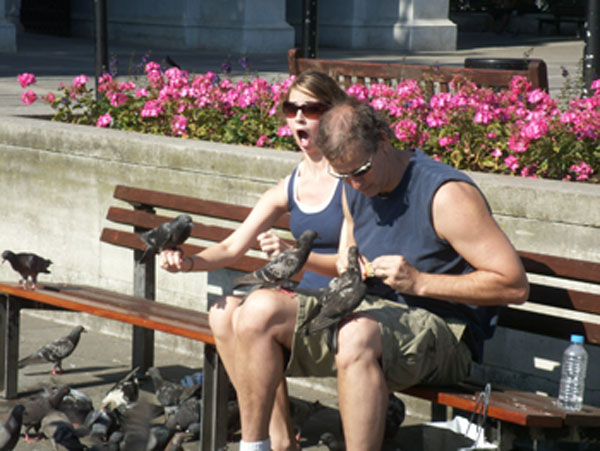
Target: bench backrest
551, 310
435, 78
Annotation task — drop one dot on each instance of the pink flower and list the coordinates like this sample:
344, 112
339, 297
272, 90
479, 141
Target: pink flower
104, 120
79, 81
496, 153
142, 92
535, 129
512, 162
436, 119
583, 170
405, 130
26, 79
284, 131
151, 66
152, 108
179, 125
517, 143
50, 97
28, 97
118, 99
260, 142
446, 141
595, 84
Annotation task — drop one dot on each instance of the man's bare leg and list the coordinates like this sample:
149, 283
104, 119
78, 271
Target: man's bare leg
362, 390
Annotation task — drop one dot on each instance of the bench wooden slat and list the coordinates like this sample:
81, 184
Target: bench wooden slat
186, 204
536, 71
564, 298
129, 309
549, 265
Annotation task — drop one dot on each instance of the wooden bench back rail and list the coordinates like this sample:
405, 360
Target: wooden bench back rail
349, 72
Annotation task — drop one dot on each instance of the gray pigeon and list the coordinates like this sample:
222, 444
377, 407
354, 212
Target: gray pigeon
38, 406
167, 393
343, 294
57, 427
283, 266
76, 405
54, 352
301, 411
185, 414
168, 235
10, 430
137, 428
28, 265
332, 442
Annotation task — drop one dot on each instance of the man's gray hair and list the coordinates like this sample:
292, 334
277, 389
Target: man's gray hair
351, 124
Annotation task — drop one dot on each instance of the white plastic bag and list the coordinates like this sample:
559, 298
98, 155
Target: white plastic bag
463, 427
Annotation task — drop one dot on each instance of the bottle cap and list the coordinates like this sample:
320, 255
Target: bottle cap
576, 338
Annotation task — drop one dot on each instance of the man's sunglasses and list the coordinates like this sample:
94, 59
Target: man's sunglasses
311, 110
363, 170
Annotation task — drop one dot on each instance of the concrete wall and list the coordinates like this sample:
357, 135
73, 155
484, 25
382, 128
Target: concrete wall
57, 181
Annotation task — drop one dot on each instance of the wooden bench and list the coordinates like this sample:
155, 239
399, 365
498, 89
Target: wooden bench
435, 78
512, 413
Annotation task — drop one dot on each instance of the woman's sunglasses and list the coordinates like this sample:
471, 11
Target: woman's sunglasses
311, 110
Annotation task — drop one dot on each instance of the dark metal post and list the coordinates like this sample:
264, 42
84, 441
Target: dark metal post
591, 55
101, 41
309, 28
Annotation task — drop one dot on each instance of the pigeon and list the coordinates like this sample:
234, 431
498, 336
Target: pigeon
76, 405
279, 270
55, 351
10, 430
171, 394
28, 265
331, 442
168, 235
38, 406
176, 443
57, 427
100, 424
343, 294
123, 394
137, 428
301, 411
185, 414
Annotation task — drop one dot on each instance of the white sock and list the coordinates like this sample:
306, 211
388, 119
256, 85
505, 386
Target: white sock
263, 445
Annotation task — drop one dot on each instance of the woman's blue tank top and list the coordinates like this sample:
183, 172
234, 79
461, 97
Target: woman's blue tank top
324, 219
401, 224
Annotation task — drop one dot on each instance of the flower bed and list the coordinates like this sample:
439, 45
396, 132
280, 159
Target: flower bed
516, 131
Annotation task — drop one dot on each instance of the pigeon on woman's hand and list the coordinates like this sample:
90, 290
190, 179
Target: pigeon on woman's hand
28, 265
54, 351
10, 430
283, 266
168, 235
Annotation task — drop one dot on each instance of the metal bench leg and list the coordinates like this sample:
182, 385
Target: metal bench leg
9, 348
214, 401
144, 286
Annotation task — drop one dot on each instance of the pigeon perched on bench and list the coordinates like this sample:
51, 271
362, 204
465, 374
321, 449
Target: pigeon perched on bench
55, 351
28, 265
168, 235
10, 430
285, 265
343, 294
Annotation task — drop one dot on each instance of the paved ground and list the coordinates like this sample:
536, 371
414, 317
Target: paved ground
101, 360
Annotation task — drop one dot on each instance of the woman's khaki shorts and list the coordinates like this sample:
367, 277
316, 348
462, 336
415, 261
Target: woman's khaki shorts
419, 347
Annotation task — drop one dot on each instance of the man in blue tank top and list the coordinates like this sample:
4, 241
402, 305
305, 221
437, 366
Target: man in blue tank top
437, 266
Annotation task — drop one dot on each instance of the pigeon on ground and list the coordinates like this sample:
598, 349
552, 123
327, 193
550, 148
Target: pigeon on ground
332, 442
100, 425
39, 405
301, 411
185, 414
137, 428
279, 270
10, 429
171, 394
76, 405
176, 443
55, 351
57, 427
168, 235
28, 265
343, 294
123, 394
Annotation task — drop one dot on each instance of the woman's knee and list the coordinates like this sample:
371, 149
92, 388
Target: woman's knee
220, 315
261, 311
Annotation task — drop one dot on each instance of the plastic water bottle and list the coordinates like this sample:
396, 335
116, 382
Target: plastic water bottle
572, 381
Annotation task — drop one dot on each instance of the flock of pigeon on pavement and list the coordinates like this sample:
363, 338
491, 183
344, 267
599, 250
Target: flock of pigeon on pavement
123, 422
